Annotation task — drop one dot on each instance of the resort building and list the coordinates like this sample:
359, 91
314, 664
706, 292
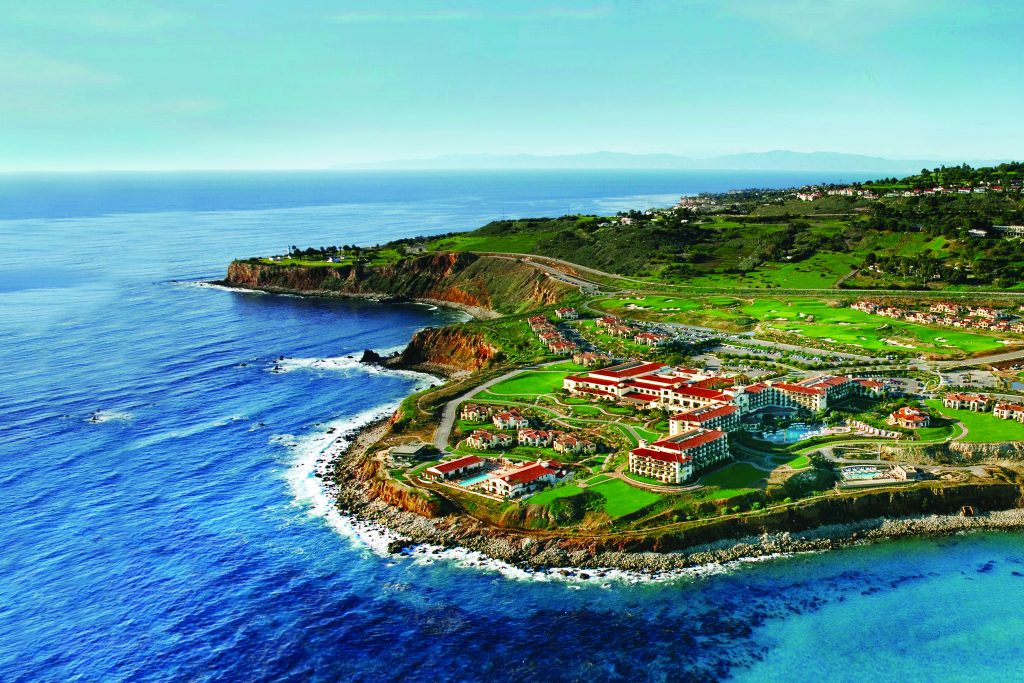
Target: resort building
725, 418
909, 417
515, 482
957, 401
1009, 411
568, 443
474, 413
486, 441
650, 339
539, 438
590, 359
455, 468
676, 459
510, 420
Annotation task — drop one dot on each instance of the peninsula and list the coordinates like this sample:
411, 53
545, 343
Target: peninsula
740, 374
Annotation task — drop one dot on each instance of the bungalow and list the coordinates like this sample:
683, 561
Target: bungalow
486, 441
471, 412
567, 313
909, 417
455, 468
958, 401
870, 387
515, 482
567, 443
510, 420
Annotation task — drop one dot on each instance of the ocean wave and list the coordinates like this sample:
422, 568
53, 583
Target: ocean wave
312, 455
350, 364
101, 416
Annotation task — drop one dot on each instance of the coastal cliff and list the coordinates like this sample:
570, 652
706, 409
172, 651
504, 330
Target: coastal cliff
448, 349
481, 285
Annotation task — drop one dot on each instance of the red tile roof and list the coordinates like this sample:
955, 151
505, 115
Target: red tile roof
525, 475
640, 397
700, 392
661, 455
632, 369
798, 389
684, 443
600, 381
458, 463
704, 414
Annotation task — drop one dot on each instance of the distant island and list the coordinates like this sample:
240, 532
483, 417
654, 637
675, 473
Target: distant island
774, 160
740, 374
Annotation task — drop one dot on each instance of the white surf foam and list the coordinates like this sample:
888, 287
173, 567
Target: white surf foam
350, 364
101, 416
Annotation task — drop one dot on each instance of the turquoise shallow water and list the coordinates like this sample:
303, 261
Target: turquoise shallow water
159, 521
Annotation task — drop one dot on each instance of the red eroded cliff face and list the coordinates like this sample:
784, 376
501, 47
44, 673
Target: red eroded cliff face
481, 284
450, 348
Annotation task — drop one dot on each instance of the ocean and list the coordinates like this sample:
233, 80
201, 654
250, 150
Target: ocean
161, 518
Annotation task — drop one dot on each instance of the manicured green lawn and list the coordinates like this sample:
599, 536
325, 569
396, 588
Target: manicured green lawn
529, 382
816, 319
981, 427
646, 480
796, 463
600, 478
586, 410
567, 366
733, 480
622, 499
647, 433
658, 303
545, 497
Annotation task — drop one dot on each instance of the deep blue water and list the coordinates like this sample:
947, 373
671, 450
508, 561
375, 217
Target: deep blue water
179, 536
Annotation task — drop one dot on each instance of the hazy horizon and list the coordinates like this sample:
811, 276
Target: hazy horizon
154, 85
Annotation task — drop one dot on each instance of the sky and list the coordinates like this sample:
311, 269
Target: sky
195, 84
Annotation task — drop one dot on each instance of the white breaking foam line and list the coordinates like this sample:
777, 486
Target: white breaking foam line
314, 453
350, 363
100, 416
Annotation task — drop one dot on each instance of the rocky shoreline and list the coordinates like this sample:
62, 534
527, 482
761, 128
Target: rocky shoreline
528, 551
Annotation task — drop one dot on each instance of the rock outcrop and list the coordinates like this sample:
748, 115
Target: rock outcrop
448, 349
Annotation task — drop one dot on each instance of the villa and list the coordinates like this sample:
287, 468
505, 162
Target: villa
1009, 411
909, 417
510, 419
650, 339
568, 443
567, 314
455, 468
486, 441
675, 460
474, 413
957, 401
539, 438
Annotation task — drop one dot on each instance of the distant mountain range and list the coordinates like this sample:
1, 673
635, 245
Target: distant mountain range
775, 160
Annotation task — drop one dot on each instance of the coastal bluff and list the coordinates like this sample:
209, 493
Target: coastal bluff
483, 286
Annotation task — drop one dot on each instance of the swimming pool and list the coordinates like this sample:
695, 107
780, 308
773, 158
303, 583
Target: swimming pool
474, 479
861, 472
